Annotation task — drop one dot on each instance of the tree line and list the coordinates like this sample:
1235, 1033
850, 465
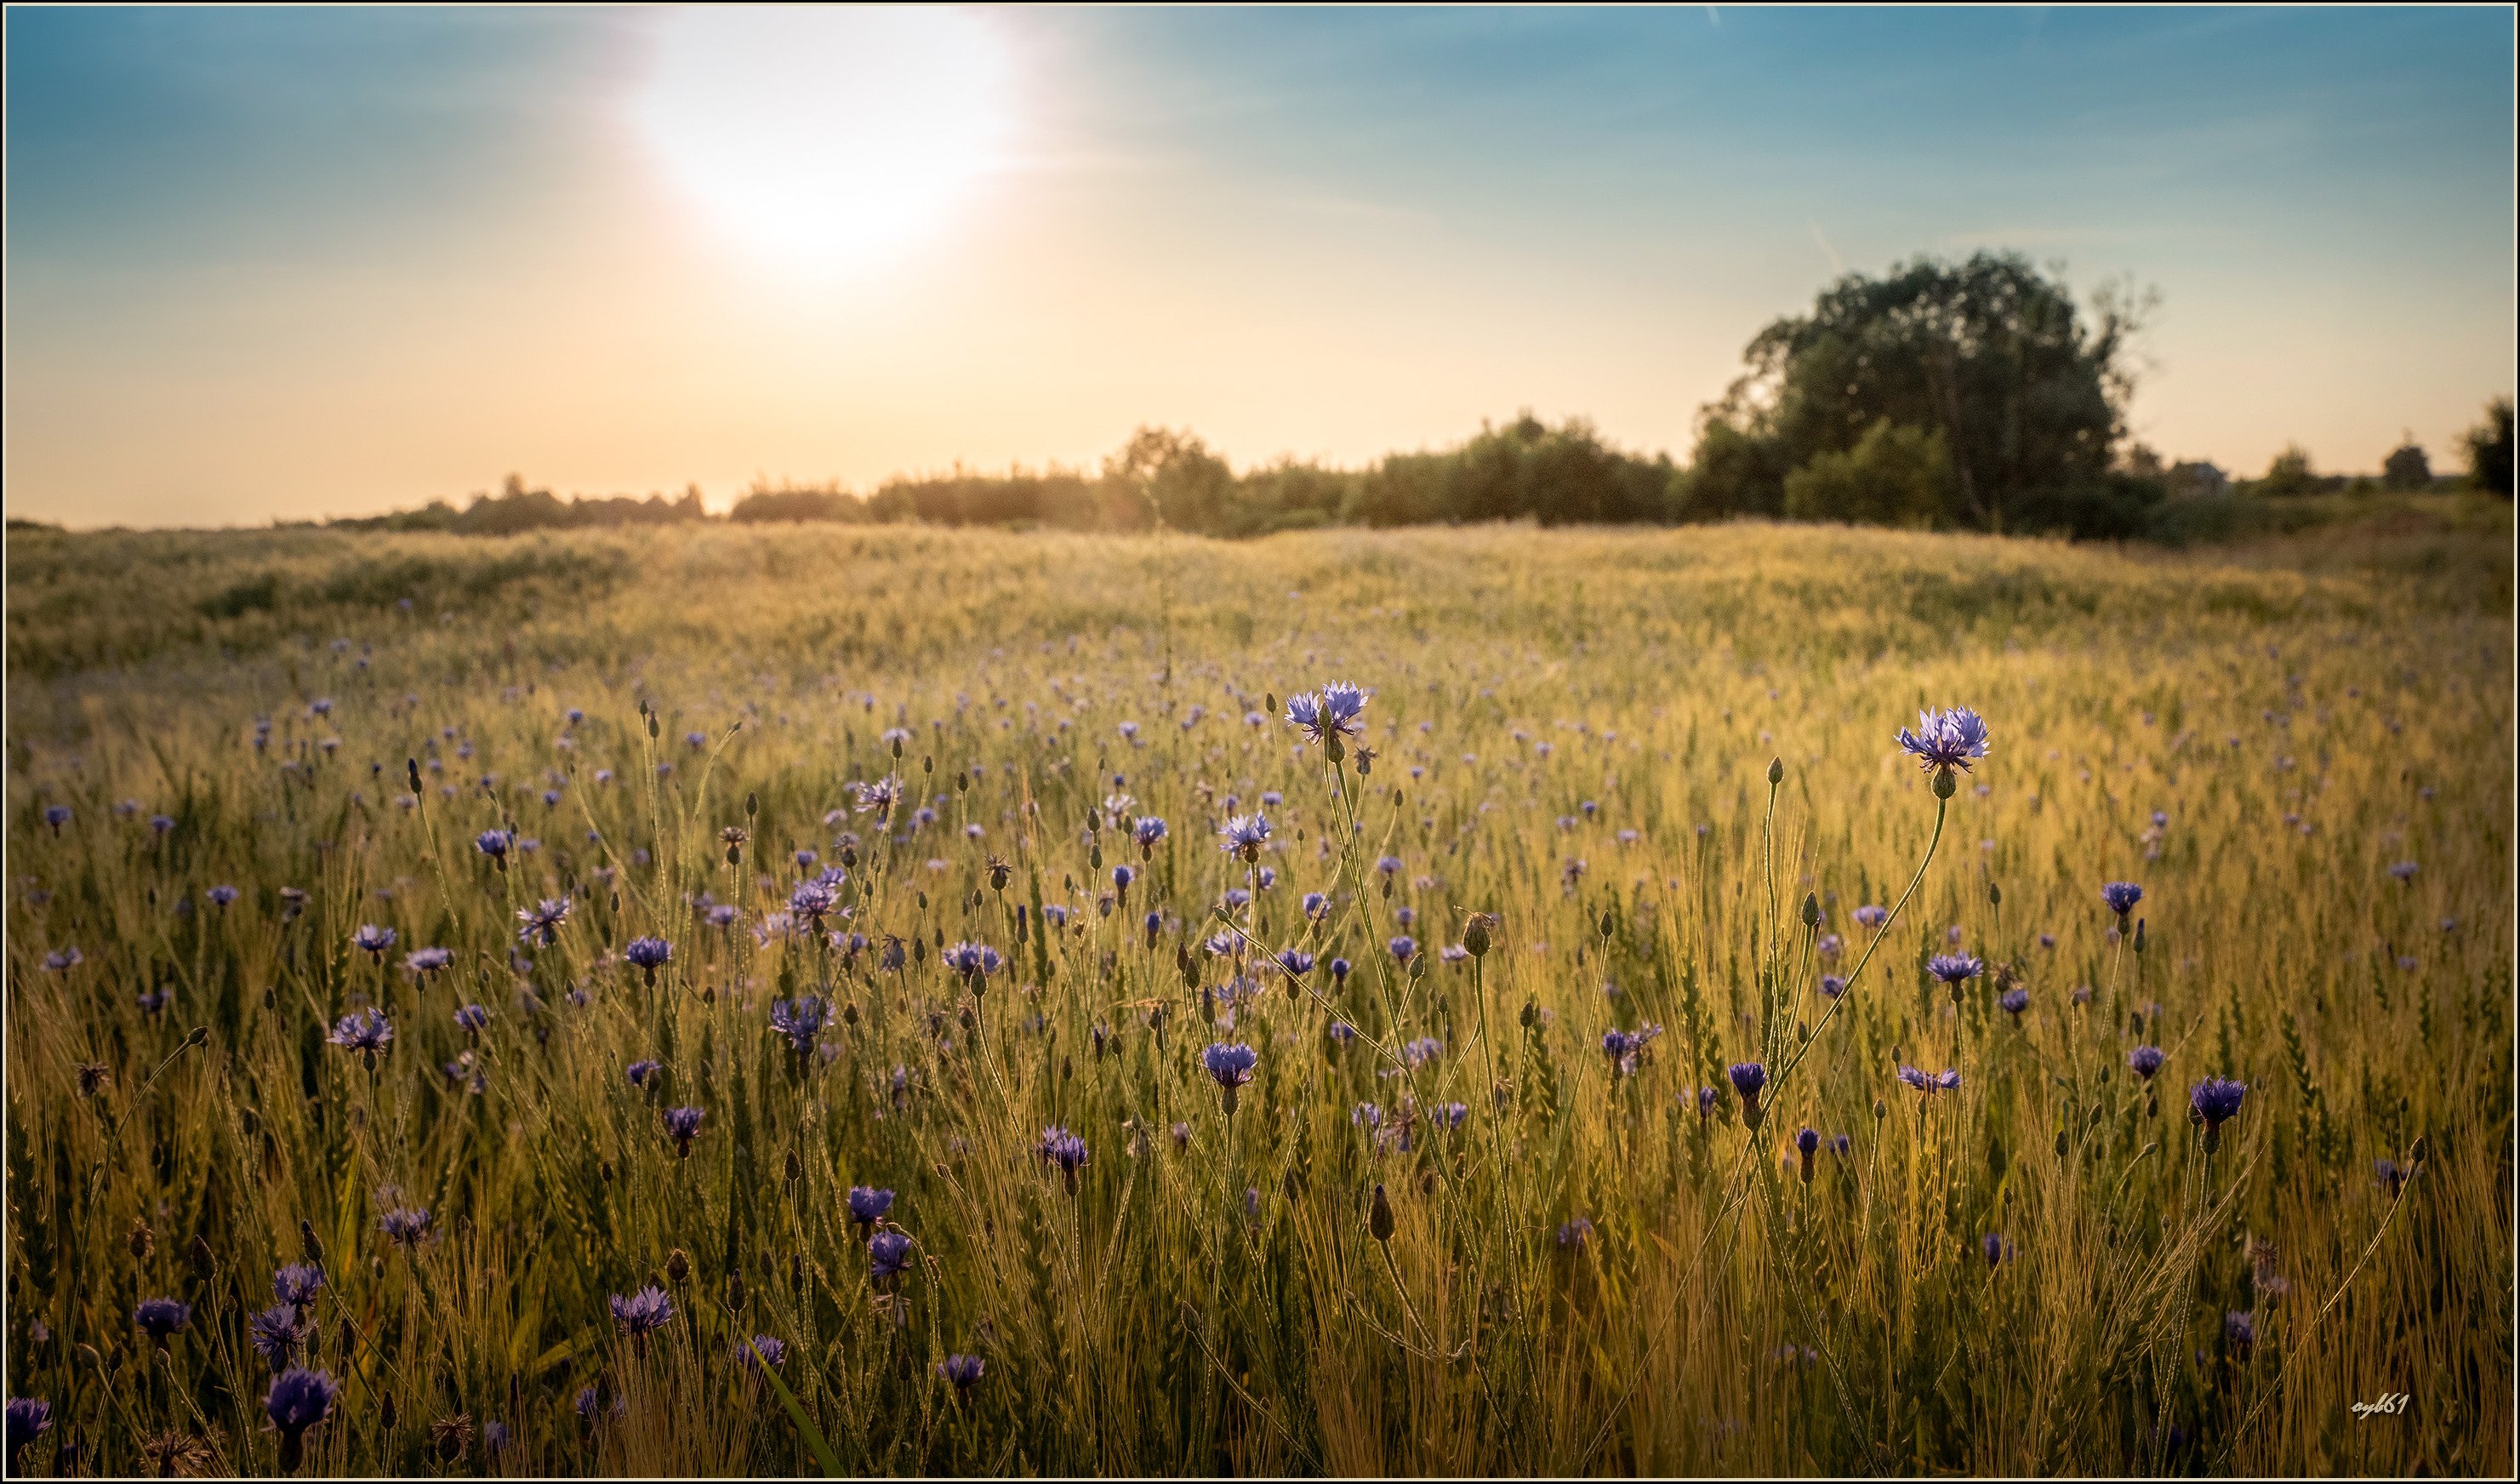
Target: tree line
1971, 395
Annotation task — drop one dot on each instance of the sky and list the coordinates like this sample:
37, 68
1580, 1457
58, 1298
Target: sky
286, 264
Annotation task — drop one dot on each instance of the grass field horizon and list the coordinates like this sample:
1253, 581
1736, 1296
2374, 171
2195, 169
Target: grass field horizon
1489, 1198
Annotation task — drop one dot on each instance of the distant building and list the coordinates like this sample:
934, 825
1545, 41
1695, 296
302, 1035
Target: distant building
2197, 479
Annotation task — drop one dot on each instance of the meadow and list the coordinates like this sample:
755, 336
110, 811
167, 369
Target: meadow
825, 934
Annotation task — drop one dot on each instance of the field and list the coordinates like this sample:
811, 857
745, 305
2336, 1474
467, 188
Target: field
1452, 1224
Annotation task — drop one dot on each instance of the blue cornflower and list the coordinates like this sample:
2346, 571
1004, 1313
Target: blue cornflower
1065, 1149
405, 1225
2404, 871
29, 1418
1244, 834
2212, 1102
974, 960
363, 1030
424, 962
1576, 1232
640, 1072
373, 940
1871, 915
683, 1125
1954, 969
543, 920
889, 1252
799, 1019
298, 1399
162, 1317
1148, 831
57, 815
1832, 985
495, 843
276, 1334
473, 1017
1422, 1050
221, 896
649, 954
1749, 1077
964, 1371
765, 1348
2014, 1002
1945, 740
1996, 1248
643, 1312
1707, 1099
297, 1284
868, 1204
2146, 1059
1297, 962
1230, 1066
2121, 897
813, 901
2240, 1329
1404, 947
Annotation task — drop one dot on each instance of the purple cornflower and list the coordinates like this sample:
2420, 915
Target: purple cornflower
61, 960
973, 961
1404, 947
766, 1348
800, 1021
2014, 1002
297, 1284
1749, 1077
298, 1399
1954, 969
2240, 1330
1316, 906
649, 954
1230, 1066
405, 1225
2404, 871
1807, 1144
277, 1334
2146, 1059
640, 1072
57, 815
1945, 740
1707, 1099
495, 843
1332, 713
424, 962
643, 1312
1244, 834
1576, 1232
2121, 897
161, 1317
372, 941
683, 1125
1998, 1249
222, 896
964, 1371
888, 1253
363, 1030
1930, 1083
29, 1418
2212, 1102
543, 920
2390, 1174
1297, 962
1339, 968
1148, 830
868, 1204
1832, 985
1065, 1149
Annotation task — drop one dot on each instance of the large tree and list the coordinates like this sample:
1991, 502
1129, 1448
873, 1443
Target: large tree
2025, 391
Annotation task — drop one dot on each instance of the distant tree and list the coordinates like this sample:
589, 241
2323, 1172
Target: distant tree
2289, 473
2407, 467
2197, 479
2026, 392
2489, 449
1893, 476
1173, 473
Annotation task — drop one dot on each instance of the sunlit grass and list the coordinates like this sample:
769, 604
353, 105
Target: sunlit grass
1572, 731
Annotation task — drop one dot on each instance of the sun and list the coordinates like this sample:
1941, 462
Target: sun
827, 138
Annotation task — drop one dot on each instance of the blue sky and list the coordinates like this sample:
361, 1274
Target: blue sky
286, 264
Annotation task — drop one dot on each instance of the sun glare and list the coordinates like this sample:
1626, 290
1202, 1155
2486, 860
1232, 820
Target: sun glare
827, 138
